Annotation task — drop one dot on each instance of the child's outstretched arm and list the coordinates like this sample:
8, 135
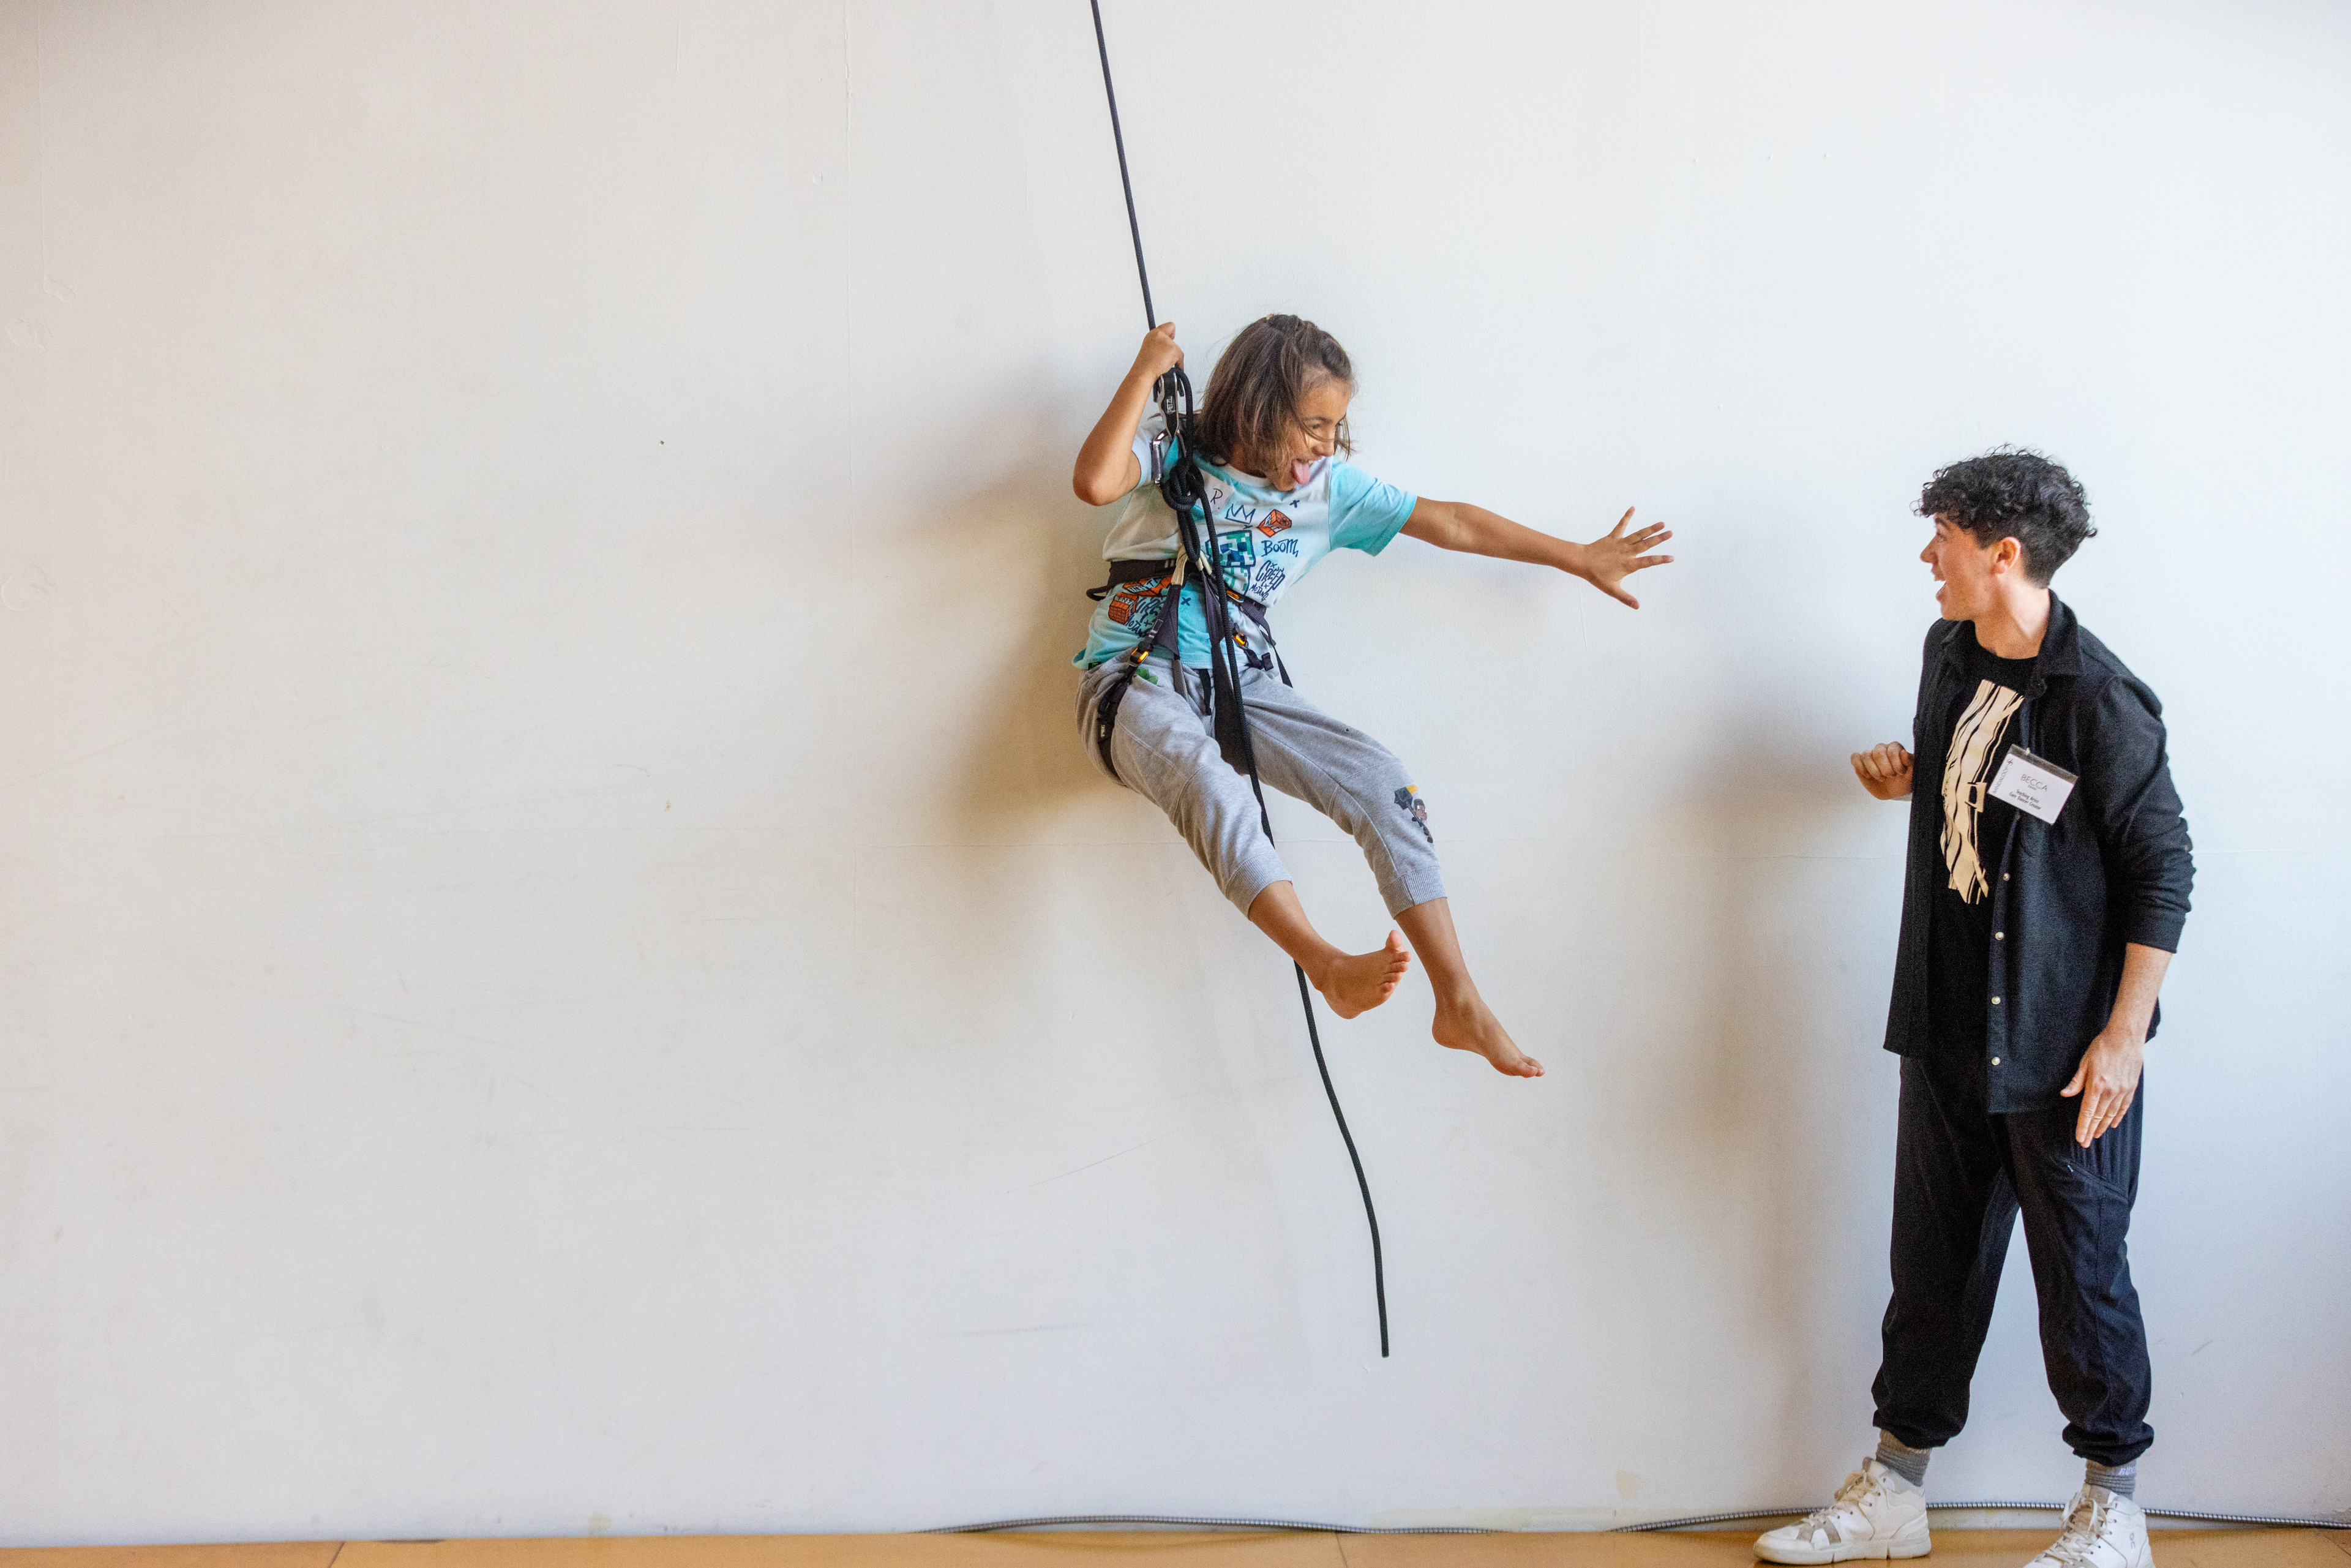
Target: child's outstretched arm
1106, 467
1604, 563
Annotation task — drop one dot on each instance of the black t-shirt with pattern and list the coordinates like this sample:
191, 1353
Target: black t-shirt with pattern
1980, 722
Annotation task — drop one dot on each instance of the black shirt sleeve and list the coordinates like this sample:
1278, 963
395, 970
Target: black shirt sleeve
2136, 813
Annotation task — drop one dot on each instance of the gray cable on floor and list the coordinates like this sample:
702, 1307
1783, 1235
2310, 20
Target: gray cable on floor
2331, 1521
1208, 1525
2335, 1521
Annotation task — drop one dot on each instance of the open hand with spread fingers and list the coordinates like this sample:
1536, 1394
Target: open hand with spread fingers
1617, 555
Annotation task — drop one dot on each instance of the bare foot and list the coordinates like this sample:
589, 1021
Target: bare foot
1355, 983
1470, 1025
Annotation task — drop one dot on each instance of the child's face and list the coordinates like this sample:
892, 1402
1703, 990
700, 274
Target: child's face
1315, 435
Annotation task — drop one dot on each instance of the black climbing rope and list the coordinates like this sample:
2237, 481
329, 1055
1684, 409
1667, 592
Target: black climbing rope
1119, 137
1182, 485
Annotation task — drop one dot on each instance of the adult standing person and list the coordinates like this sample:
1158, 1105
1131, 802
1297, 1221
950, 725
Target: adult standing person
2046, 887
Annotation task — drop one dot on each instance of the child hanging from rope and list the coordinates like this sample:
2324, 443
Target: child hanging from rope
1272, 437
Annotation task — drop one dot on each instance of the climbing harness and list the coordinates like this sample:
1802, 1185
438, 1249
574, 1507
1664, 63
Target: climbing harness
1163, 582
1182, 487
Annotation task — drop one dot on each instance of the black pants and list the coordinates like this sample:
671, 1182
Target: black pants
1961, 1176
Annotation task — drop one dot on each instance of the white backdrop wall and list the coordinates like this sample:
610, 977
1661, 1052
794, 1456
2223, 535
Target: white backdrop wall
564, 971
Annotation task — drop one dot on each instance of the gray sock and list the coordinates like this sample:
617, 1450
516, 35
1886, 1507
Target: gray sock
2119, 1480
1908, 1463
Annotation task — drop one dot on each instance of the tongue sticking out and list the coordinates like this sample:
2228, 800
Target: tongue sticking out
1299, 472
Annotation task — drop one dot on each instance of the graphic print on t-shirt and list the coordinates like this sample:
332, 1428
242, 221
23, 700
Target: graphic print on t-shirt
1974, 739
1266, 539
1129, 600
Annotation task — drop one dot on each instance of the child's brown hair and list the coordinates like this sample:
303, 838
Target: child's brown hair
1253, 397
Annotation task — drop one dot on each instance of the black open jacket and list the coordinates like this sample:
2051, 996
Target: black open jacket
2113, 867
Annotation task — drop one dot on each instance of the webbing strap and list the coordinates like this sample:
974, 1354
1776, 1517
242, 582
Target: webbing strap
1186, 492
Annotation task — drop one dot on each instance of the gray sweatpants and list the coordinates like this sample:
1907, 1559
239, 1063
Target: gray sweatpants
1167, 753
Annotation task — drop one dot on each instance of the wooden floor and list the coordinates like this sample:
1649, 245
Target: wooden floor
1155, 1548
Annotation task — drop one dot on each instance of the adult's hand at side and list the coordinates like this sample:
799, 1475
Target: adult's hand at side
1884, 771
2107, 1081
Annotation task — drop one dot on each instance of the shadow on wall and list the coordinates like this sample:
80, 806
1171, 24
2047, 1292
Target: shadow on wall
1002, 602
1799, 943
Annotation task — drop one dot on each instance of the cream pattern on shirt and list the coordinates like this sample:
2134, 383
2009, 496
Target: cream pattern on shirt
1974, 740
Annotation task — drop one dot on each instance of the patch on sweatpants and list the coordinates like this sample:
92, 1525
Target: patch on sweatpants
1409, 802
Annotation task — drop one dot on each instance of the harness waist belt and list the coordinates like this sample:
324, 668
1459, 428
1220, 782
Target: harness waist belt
1123, 572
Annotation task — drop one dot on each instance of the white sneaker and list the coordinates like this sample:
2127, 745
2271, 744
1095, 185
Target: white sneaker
1876, 1514
2102, 1531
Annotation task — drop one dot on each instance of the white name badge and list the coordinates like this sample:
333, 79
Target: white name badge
2032, 784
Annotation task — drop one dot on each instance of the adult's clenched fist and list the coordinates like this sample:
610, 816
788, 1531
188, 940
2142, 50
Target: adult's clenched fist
1884, 771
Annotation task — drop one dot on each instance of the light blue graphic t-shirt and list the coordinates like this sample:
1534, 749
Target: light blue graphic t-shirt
1266, 540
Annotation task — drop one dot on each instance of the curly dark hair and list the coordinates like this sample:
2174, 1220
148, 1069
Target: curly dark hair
1253, 396
2014, 493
